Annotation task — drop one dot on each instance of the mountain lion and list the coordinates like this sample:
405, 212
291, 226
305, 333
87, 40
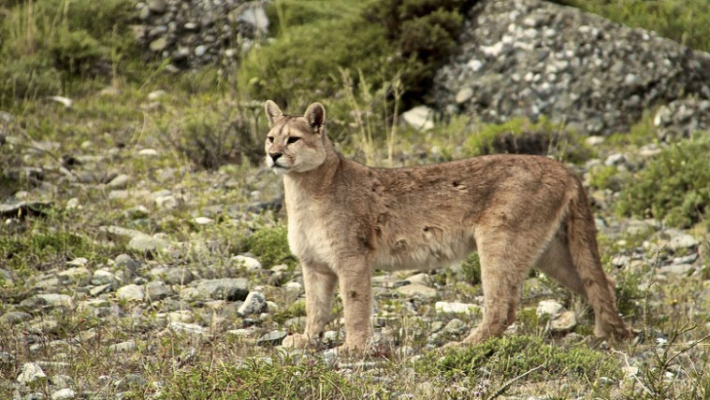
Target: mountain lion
346, 219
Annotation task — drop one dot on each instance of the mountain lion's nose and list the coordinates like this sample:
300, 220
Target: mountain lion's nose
274, 156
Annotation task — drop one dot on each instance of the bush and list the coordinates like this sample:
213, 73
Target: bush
382, 39
522, 136
270, 245
673, 187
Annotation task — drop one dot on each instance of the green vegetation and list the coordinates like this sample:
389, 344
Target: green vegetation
522, 136
50, 45
261, 379
516, 355
270, 245
685, 21
674, 186
472, 269
379, 40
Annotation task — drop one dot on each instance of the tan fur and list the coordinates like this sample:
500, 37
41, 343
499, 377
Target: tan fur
345, 219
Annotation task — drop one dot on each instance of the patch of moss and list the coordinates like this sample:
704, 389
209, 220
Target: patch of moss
673, 187
270, 246
523, 136
41, 249
604, 177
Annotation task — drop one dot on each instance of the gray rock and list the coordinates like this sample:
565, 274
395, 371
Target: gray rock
157, 290
145, 243
253, 304
124, 261
419, 117
564, 322
104, 277
178, 276
681, 241
678, 269
31, 372
256, 17
79, 276
455, 327
550, 308
14, 317
200, 50
231, 289
120, 182
63, 394
131, 293
124, 347
446, 307
249, 263
273, 338
157, 6
159, 44
463, 95
416, 290
190, 329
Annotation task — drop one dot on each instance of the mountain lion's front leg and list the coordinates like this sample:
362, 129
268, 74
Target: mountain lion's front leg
319, 282
356, 293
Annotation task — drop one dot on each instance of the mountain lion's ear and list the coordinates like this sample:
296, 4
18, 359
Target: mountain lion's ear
272, 111
315, 115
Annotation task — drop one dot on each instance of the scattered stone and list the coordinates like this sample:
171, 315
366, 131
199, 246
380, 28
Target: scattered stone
14, 317
104, 277
123, 347
273, 338
251, 264
678, 269
79, 276
253, 304
420, 279
564, 322
231, 289
131, 293
63, 394
190, 329
416, 290
31, 372
446, 307
681, 241
455, 327
420, 118
203, 220
119, 182
157, 290
550, 308
178, 276
125, 262
145, 243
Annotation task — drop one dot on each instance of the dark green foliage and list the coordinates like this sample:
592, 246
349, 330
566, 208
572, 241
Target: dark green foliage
270, 245
381, 39
515, 355
472, 269
673, 187
256, 379
424, 33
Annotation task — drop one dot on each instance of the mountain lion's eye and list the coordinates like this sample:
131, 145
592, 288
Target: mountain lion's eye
271, 139
292, 139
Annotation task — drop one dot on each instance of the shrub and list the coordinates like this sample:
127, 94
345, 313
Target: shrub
673, 187
270, 245
522, 136
382, 39
472, 269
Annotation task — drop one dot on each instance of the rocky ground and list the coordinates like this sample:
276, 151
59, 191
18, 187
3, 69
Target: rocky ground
122, 267
131, 268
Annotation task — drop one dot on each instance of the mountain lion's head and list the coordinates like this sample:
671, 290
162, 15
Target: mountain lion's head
295, 143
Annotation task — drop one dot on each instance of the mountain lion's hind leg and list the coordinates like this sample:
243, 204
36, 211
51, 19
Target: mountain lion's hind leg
504, 266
